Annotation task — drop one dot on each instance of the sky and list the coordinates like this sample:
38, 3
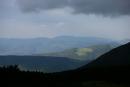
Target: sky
52, 18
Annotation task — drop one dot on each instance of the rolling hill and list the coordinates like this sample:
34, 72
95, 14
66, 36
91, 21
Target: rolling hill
41, 63
89, 53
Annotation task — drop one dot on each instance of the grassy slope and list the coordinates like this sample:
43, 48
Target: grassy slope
88, 53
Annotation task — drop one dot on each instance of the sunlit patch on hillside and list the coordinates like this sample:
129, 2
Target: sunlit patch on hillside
84, 51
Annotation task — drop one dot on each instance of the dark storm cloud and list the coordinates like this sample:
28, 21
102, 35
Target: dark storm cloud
104, 7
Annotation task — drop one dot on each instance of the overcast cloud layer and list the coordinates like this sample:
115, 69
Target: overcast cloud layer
51, 18
104, 7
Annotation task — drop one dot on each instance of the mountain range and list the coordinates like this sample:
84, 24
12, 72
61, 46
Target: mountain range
109, 70
59, 61
53, 54
46, 45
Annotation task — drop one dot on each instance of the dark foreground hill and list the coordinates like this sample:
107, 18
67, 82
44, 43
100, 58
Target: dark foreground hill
110, 70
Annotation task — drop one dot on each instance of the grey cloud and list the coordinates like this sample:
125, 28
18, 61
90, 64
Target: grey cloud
104, 7
36, 5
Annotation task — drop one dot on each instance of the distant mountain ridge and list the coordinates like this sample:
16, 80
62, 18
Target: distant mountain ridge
46, 45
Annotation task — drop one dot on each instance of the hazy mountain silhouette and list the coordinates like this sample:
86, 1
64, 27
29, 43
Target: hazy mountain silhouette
46, 45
